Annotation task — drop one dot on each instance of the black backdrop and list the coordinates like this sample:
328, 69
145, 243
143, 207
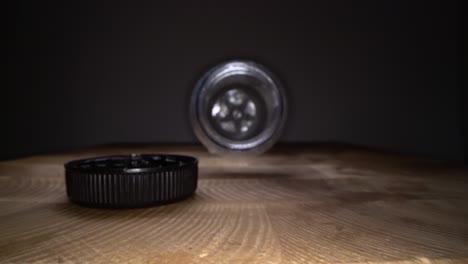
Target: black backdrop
384, 74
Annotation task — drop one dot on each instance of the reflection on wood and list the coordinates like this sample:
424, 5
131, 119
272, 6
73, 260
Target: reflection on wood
314, 205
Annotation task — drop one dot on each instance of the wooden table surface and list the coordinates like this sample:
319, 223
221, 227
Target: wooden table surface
292, 205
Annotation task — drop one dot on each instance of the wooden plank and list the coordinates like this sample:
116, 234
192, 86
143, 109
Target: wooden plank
313, 205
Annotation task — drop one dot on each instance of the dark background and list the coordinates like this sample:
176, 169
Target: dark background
382, 74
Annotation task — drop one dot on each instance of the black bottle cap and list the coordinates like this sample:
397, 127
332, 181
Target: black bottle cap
130, 181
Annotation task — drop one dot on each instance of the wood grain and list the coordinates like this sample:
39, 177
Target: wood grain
291, 205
